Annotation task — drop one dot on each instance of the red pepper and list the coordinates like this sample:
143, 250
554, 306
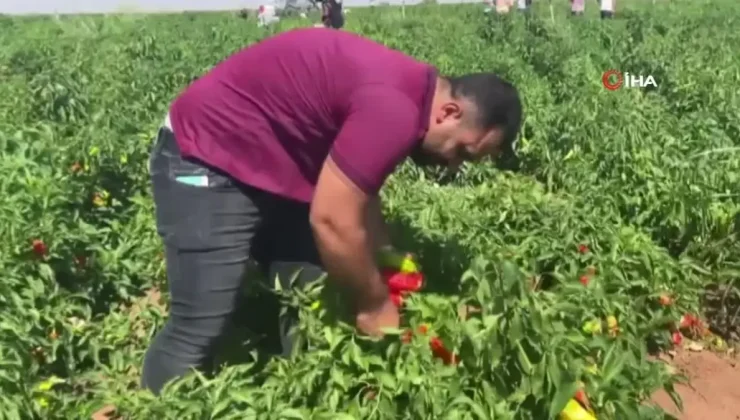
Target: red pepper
440, 351
397, 299
39, 248
435, 343
582, 399
689, 321
692, 326
583, 248
408, 334
402, 282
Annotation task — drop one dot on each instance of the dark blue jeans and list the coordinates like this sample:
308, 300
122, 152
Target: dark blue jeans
211, 226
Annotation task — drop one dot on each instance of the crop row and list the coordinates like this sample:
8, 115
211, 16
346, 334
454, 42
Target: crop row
623, 210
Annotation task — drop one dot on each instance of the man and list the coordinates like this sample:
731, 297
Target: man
279, 152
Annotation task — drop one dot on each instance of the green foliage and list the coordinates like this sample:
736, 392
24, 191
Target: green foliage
647, 181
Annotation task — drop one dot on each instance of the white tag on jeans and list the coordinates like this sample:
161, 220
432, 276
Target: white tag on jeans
196, 181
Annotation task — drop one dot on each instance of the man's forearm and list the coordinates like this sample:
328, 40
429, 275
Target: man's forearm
348, 256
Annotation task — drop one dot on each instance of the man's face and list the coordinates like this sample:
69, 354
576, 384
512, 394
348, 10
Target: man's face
454, 138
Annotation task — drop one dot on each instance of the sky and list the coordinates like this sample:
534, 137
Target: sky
106, 6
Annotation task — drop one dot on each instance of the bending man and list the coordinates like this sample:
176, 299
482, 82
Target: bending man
272, 155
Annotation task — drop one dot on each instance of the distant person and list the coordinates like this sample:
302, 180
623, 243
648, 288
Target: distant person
607, 9
331, 14
503, 6
524, 5
577, 7
277, 155
490, 5
266, 15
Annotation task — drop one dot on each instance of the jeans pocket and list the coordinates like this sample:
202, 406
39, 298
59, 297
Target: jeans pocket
188, 195
194, 174
166, 161
182, 209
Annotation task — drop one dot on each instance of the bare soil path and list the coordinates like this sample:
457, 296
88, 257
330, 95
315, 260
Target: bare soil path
713, 389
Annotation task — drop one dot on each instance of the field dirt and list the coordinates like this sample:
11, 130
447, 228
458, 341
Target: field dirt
713, 388
106, 413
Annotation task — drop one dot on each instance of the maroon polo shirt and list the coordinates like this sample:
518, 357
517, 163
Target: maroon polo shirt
270, 114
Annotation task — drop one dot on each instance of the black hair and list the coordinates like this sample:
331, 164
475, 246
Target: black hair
497, 102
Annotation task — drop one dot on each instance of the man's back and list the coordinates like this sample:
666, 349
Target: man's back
268, 114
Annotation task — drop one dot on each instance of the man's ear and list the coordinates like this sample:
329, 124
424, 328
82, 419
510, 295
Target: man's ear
336, 196
452, 110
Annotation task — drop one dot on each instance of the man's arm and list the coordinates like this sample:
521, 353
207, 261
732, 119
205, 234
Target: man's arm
339, 222
378, 133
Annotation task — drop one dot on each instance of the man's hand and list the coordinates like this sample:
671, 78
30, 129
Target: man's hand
372, 322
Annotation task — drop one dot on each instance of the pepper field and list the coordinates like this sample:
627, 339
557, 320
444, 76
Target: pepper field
625, 205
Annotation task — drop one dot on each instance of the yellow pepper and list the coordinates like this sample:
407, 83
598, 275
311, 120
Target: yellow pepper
592, 327
592, 369
403, 262
611, 322
101, 199
613, 325
48, 384
574, 411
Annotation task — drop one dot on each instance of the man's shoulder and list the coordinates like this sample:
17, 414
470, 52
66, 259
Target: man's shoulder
398, 78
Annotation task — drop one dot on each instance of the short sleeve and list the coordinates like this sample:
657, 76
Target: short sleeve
380, 131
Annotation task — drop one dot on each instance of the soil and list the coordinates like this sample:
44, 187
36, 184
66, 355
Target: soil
712, 390
106, 413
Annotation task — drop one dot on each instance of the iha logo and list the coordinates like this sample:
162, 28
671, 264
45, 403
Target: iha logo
615, 79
